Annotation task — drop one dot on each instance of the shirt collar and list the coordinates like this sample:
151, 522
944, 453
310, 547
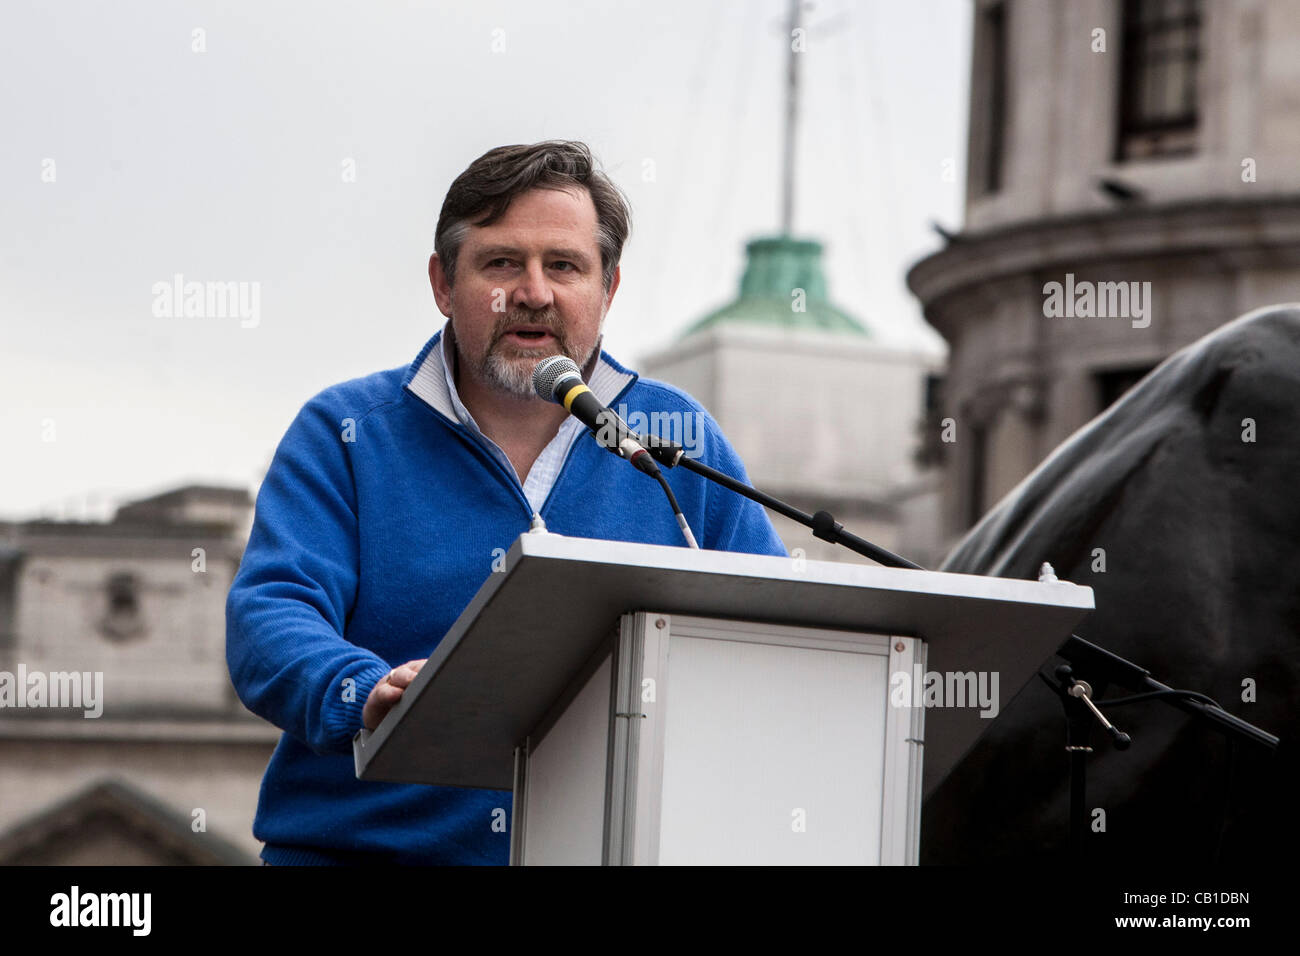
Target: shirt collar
431, 377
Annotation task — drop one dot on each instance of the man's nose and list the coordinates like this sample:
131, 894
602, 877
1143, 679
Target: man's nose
533, 290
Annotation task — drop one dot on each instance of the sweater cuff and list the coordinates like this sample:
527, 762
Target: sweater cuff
342, 718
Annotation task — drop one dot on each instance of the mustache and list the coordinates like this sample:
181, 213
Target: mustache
548, 319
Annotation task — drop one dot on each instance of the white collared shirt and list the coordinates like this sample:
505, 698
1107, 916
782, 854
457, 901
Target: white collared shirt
541, 477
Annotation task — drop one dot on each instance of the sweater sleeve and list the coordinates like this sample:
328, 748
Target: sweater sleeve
294, 592
733, 522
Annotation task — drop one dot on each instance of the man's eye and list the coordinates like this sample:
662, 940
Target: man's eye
565, 262
498, 262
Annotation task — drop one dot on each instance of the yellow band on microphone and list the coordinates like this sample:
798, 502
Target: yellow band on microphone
572, 394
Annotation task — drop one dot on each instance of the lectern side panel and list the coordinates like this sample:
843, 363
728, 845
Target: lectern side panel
773, 746
646, 765
630, 695
916, 732
904, 737
566, 779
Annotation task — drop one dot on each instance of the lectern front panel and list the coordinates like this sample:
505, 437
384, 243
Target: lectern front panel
773, 753
765, 744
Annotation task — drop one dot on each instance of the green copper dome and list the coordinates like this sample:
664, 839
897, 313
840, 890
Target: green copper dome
775, 267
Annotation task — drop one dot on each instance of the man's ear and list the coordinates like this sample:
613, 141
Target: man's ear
441, 287
613, 287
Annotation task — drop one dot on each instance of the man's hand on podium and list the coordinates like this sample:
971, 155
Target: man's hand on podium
388, 692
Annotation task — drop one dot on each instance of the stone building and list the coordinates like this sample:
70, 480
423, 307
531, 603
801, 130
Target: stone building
121, 737
1131, 186
824, 415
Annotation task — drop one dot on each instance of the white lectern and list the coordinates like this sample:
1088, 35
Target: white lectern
660, 705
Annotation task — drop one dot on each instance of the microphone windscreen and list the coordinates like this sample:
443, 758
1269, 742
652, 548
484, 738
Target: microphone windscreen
550, 372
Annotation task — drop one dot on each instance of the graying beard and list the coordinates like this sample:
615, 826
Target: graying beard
510, 375
516, 378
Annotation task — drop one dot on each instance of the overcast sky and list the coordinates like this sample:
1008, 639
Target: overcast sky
305, 150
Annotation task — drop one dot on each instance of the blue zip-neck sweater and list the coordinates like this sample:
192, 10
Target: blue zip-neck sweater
375, 526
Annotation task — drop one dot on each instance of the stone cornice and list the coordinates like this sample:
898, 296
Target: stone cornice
1240, 233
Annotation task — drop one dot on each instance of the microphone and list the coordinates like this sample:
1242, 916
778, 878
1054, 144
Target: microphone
558, 379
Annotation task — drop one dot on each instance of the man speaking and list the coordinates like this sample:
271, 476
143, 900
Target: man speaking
388, 497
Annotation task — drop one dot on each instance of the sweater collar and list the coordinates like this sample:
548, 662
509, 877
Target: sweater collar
427, 377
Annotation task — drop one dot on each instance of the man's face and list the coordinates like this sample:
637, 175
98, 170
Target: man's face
526, 287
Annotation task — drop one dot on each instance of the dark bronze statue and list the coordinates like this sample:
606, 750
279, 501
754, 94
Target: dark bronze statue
1180, 507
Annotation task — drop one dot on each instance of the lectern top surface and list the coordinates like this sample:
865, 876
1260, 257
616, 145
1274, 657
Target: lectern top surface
530, 629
